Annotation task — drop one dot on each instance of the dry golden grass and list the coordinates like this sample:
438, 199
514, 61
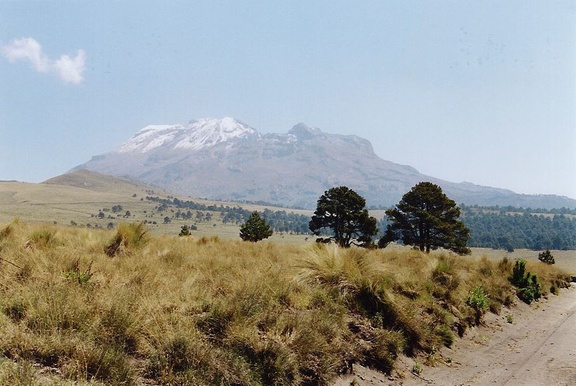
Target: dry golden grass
203, 310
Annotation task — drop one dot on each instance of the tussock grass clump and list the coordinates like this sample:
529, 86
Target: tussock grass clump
180, 310
43, 238
127, 238
6, 231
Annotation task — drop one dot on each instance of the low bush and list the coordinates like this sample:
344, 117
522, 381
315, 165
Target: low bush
478, 300
529, 287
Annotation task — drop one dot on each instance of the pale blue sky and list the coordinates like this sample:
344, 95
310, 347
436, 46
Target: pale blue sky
479, 91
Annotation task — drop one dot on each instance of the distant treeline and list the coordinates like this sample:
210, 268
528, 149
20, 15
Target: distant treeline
495, 227
516, 210
514, 228
279, 220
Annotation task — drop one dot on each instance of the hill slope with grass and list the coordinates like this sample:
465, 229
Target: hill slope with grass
186, 310
73, 197
88, 199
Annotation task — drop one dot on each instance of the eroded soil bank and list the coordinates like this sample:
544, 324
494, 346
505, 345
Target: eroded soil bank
537, 348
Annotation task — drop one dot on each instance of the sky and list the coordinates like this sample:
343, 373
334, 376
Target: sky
477, 91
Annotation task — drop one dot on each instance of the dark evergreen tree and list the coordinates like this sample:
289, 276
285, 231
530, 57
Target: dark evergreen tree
255, 229
546, 257
184, 231
427, 219
342, 211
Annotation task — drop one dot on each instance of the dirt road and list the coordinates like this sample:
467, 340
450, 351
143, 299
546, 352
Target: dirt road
537, 348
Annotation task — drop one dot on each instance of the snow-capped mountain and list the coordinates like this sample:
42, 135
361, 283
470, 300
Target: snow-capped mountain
198, 134
228, 160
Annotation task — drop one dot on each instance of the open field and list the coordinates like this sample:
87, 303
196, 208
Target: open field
123, 306
565, 260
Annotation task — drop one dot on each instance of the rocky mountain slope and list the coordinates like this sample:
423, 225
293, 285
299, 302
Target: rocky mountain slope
228, 160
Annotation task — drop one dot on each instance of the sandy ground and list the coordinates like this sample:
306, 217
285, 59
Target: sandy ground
537, 348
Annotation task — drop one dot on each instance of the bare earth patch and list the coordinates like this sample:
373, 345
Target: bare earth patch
537, 348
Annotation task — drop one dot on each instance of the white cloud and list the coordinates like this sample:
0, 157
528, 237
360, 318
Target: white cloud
68, 69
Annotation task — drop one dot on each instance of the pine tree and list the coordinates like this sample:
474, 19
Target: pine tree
255, 229
546, 257
342, 210
427, 219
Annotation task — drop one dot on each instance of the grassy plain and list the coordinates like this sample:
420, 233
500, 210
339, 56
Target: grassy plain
78, 198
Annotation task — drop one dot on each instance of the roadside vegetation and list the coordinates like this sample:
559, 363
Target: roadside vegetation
124, 306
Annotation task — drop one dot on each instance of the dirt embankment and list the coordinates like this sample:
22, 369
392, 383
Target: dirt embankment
537, 348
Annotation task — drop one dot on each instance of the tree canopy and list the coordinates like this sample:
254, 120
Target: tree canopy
427, 219
341, 210
255, 229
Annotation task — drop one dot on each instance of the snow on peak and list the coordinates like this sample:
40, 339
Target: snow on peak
196, 135
208, 132
149, 138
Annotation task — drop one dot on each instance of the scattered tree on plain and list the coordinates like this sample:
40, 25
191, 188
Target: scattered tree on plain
342, 210
255, 229
184, 231
546, 257
427, 219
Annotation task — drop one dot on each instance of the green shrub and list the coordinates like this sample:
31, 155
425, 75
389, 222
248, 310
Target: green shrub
529, 287
519, 273
76, 275
478, 300
532, 290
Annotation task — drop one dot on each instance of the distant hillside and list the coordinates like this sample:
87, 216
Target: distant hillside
226, 159
98, 182
92, 200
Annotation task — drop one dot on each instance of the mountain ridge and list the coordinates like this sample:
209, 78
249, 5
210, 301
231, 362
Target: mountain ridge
226, 159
